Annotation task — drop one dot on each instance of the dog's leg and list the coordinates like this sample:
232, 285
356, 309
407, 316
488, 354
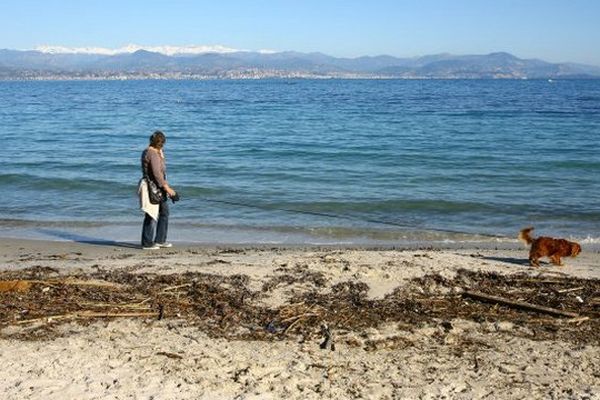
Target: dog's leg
555, 258
534, 262
533, 259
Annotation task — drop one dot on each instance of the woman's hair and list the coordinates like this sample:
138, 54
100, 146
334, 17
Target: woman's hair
157, 140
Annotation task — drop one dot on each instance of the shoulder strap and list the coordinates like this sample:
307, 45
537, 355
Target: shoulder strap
145, 165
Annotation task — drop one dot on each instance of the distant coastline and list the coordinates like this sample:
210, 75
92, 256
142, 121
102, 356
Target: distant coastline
228, 75
257, 77
143, 65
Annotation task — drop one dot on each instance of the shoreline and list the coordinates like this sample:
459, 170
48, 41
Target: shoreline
8, 242
246, 321
127, 235
14, 251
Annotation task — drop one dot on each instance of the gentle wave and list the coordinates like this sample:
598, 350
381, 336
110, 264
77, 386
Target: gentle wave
41, 183
90, 231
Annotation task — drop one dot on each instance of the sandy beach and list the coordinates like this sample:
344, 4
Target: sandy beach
110, 321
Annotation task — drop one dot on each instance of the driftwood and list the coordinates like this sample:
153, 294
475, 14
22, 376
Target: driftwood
129, 306
82, 282
328, 338
85, 315
571, 290
170, 355
518, 304
176, 287
578, 321
23, 285
15, 286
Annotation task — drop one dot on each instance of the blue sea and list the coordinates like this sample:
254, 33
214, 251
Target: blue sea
305, 161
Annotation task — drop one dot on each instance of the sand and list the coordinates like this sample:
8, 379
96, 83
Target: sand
505, 354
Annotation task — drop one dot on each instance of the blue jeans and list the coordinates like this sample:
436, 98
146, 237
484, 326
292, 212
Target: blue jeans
162, 225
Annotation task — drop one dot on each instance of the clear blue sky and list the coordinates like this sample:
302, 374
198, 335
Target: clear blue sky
553, 30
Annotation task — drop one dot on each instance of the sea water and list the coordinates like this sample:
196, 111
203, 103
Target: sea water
305, 161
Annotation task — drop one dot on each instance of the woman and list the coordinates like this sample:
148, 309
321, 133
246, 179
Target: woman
154, 168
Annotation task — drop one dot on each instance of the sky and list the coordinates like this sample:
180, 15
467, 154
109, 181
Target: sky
551, 30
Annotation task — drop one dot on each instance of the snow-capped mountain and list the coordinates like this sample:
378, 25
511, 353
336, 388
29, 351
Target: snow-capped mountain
132, 48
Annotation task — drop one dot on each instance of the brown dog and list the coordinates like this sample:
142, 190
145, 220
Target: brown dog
548, 247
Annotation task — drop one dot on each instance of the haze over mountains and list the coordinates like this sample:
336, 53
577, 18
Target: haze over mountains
203, 62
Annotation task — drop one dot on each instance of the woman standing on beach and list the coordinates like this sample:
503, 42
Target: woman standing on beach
154, 168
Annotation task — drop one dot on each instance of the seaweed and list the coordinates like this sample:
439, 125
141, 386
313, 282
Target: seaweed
226, 307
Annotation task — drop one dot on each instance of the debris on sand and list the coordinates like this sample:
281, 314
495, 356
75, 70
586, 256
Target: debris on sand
225, 306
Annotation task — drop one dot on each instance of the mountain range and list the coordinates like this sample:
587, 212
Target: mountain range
144, 64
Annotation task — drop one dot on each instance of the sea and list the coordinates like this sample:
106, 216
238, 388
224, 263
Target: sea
305, 162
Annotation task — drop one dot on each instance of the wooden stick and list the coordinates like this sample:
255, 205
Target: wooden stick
578, 321
170, 355
571, 290
518, 304
296, 317
90, 282
70, 281
110, 305
88, 314
292, 325
328, 338
15, 286
45, 319
175, 287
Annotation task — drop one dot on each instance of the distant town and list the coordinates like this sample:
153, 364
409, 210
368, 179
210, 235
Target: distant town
142, 64
233, 74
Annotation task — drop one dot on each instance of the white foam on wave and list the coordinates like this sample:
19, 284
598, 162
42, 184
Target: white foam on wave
590, 240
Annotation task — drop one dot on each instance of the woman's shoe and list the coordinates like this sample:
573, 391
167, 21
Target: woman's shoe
153, 247
164, 245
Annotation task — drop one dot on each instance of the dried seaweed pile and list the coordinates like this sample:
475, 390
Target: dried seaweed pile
435, 301
39, 300
568, 294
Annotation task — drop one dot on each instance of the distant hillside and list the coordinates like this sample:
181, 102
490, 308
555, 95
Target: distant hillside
16, 64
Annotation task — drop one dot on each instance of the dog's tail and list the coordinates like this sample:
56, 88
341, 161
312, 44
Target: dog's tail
525, 236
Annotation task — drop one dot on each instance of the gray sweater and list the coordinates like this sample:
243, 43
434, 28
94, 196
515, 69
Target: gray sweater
155, 165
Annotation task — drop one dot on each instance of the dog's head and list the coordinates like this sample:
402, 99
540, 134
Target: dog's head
575, 249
